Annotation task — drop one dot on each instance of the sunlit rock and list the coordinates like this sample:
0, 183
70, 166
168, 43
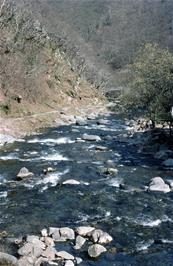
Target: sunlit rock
96, 250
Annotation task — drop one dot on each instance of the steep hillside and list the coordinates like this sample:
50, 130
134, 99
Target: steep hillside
60, 51
35, 76
106, 33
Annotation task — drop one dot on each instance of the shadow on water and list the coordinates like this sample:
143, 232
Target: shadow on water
117, 203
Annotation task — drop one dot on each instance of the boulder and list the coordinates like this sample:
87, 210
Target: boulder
54, 232
24, 173
49, 253
84, 230
67, 233
100, 148
91, 137
158, 184
71, 182
102, 122
109, 171
65, 255
35, 241
78, 260
69, 263
4, 139
8, 259
170, 183
80, 241
98, 236
91, 117
96, 250
27, 261
62, 234
44, 232
26, 249
49, 241
168, 163
81, 121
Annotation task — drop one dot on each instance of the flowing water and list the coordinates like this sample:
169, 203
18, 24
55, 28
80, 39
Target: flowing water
140, 222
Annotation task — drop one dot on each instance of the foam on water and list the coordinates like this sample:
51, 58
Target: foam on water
11, 156
114, 182
144, 245
63, 140
54, 157
3, 194
148, 222
52, 179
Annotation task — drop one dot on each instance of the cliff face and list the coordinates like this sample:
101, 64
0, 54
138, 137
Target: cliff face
35, 75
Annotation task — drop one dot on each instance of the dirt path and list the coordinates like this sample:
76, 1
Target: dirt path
26, 125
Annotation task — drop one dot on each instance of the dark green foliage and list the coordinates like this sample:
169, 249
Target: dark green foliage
151, 83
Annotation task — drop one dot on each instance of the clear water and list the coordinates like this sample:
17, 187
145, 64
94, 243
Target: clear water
135, 218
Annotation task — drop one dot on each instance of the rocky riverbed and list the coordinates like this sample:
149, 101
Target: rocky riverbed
95, 175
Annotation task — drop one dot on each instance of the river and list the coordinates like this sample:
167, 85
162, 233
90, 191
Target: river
140, 222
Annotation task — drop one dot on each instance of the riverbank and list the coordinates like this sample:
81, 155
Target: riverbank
18, 127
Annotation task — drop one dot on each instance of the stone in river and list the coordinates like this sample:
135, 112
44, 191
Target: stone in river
65, 255
96, 250
62, 234
103, 122
80, 121
49, 253
91, 137
80, 241
69, 263
44, 232
84, 230
158, 184
24, 173
71, 182
98, 236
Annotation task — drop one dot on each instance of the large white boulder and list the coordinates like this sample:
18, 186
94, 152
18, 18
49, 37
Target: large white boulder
158, 184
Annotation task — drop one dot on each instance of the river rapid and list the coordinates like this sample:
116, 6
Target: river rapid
140, 222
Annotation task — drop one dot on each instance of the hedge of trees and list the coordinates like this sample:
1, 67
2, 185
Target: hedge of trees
150, 83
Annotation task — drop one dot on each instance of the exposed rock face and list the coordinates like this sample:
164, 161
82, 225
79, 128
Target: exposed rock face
91, 137
158, 184
96, 250
24, 173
